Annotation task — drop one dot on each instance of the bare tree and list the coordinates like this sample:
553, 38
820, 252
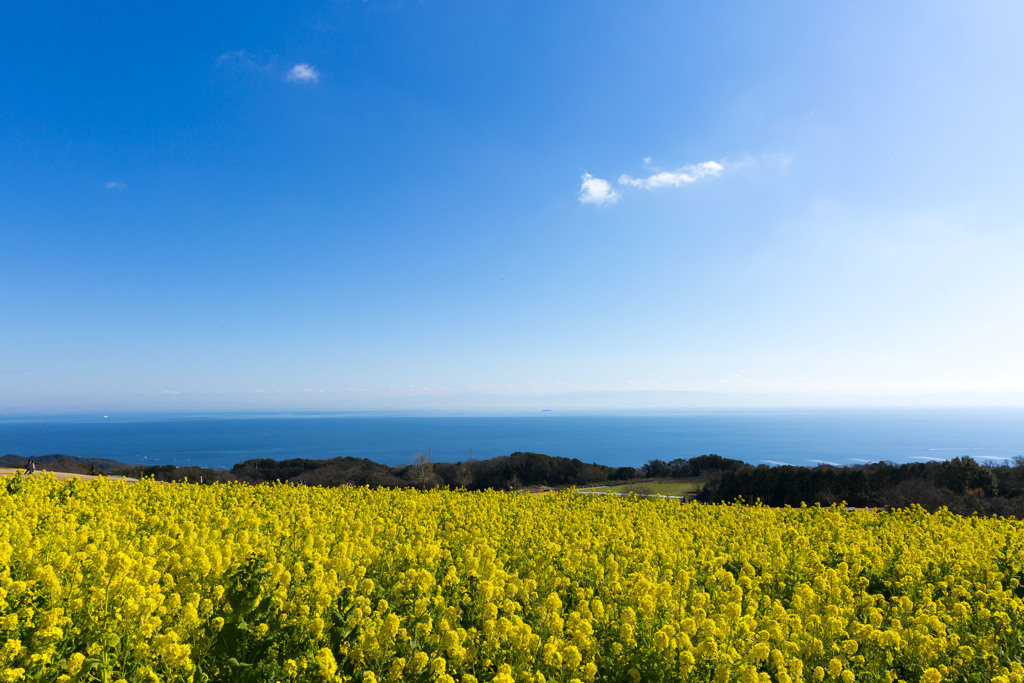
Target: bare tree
463, 476
422, 472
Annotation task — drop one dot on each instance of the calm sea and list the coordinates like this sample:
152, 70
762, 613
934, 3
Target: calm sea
842, 437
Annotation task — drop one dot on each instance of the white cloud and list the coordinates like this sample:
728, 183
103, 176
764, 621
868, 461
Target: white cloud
682, 176
597, 191
114, 185
303, 73
600, 191
236, 57
267, 66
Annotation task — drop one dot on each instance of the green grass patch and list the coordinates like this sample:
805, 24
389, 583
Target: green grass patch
660, 487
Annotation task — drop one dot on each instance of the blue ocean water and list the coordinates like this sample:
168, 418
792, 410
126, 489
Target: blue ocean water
807, 437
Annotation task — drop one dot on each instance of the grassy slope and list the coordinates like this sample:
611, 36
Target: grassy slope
7, 471
676, 487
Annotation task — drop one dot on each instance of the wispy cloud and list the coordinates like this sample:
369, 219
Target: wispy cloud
683, 176
114, 185
240, 59
267, 66
303, 73
600, 191
597, 191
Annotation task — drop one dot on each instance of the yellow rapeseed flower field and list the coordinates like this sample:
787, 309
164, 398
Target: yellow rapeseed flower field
115, 582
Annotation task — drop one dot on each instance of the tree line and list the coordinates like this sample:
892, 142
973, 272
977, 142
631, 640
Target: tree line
513, 471
962, 485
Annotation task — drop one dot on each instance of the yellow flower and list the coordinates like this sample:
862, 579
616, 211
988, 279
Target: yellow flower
748, 674
326, 665
835, 668
75, 663
571, 656
437, 667
419, 662
504, 675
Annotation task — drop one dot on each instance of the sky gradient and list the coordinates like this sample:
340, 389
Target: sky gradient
322, 205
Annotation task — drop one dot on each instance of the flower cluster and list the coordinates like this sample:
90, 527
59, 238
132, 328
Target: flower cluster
153, 582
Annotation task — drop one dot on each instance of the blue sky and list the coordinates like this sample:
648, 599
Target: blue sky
361, 204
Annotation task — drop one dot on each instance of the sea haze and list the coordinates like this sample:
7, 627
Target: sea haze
807, 437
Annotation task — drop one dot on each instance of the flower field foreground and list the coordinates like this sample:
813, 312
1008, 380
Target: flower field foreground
106, 581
